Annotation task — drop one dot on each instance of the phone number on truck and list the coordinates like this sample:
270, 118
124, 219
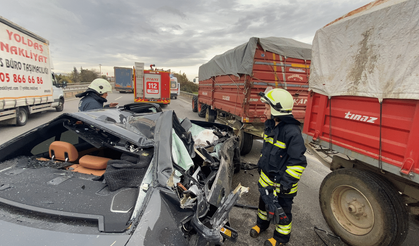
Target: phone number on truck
5, 77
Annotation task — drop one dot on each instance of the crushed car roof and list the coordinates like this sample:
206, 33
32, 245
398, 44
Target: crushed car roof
184, 187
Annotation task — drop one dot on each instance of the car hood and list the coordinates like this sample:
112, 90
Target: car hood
13, 234
159, 225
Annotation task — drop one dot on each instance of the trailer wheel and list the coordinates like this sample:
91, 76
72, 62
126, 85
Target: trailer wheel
22, 115
245, 142
194, 104
60, 106
202, 110
400, 208
360, 209
210, 115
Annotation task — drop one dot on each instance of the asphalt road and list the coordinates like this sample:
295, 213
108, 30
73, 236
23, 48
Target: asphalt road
306, 209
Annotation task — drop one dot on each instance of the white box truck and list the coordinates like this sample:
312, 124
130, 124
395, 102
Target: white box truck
27, 84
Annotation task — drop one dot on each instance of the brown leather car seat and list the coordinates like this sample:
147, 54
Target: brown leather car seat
63, 151
89, 164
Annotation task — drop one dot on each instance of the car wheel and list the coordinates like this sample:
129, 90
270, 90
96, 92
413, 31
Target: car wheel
22, 115
60, 106
245, 142
194, 104
362, 209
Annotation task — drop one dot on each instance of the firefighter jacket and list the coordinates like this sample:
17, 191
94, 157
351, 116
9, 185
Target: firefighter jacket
91, 100
282, 161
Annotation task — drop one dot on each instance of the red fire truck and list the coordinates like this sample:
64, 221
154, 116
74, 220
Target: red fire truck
152, 85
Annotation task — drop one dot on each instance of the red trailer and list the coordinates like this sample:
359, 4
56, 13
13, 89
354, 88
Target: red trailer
229, 83
362, 120
152, 86
383, 134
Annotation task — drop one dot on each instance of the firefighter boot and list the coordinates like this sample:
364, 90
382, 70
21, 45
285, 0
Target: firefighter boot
272, 242
255, 231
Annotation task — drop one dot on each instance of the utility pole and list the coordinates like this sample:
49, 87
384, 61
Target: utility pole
100, 69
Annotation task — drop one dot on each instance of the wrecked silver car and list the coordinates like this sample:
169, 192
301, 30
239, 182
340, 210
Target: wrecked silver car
128, 176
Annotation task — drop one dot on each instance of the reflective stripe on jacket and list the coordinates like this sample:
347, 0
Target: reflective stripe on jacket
264, 181
282, 161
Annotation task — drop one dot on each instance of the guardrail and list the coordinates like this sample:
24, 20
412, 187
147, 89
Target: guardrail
73, 89
187, 95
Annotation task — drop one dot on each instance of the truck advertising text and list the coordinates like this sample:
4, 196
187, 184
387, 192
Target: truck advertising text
24, 64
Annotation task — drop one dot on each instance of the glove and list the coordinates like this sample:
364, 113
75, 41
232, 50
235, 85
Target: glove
284, 190
273, 209
269, 200
280, 217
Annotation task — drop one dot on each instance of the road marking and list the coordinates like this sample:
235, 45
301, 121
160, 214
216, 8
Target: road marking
118, 98
184, 100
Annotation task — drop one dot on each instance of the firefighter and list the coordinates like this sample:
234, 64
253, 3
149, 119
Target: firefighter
95, 96
281, 165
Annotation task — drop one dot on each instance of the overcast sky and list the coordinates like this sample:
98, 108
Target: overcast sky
172, 34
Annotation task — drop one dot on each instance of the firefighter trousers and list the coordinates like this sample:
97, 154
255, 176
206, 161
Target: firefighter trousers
282, 233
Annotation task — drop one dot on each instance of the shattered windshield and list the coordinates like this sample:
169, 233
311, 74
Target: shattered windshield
132, 125
144, 125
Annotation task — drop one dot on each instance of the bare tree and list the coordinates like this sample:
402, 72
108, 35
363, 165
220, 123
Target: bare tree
185, 84
87, 75
75, 75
